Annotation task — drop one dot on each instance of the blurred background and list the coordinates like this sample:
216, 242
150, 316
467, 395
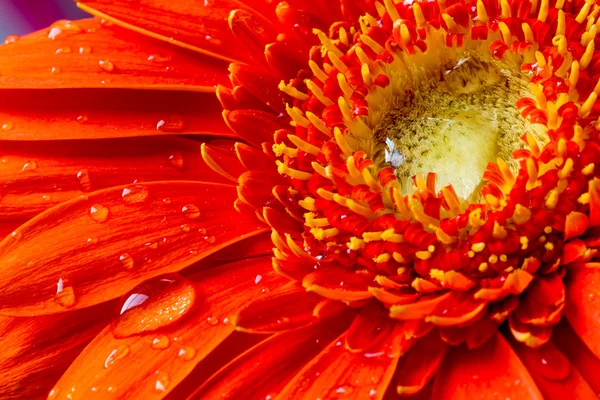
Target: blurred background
18, 17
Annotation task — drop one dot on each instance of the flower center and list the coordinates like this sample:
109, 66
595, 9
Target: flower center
453, 124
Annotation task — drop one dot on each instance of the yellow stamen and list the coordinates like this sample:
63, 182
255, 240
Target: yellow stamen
482, 14
304, 146
284, 169
318, 93
292, 91
346, 89
318, 123
317, 71
376, 47
296, 114
327, 43
339, 64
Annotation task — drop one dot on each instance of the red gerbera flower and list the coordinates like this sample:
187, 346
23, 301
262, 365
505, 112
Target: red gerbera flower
402, 200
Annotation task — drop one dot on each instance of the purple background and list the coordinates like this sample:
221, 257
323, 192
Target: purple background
18, 17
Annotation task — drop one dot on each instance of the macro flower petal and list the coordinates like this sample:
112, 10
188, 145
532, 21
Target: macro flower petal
125, 234
583, 305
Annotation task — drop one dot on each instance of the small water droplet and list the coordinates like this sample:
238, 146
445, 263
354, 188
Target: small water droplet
166, 200
92, 240
151, 245
63, 50
54, 393
160, 342
85, 50
257, 279
162, 382
225, 321
171, 124
106, 65
135, 194
65, 295
29, 166
212, 321
46, 197
54, 32
190, 211
126, 261
11, 39
7, 126
213, 40
176, 161
16, 236
372, 392
185, 228
115, 355
344, 390
98, 213
187, 353
210, 239
153, 305
82, 119
106, 22
83, 177
55, 70
156, 57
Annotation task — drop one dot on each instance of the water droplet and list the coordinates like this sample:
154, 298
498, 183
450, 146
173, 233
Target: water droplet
11, 39
185, 228
190, 211
82, 119
344, 390
85, 50
92, 240
126, 261
162, 382
54, 393
16, 236
160, 342
7, 126
55, 70
171, 124
210, 239
61, 26
98, 213
106, 22
153, 305
106, 65
116, 355
213, 40
187, 353
54, 32
151, 245
29, 166
212, 321
156, 57
372, 392
257, 279
83, 177
46, 197
63, 50
176, 161
135, 194
65, 295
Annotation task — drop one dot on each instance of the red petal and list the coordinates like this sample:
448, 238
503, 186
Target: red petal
263, 370
338, 284
259, 245
37, 351
575, 224
39, 175
369, 329
197, 26
79, 245
490, 370
98, 113
87, 54
583, 305
286, 308
144, 371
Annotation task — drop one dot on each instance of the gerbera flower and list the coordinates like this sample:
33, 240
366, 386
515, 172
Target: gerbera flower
402, 200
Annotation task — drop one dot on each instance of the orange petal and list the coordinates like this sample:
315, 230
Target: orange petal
419, 309
531, 335
553, 373
98, 113
583, 305
87, 54
490, 370
575, 224
200, 26
337, 284
339, 373
39, 175
263, 370
370, 328
458, 309
420, 364
286, 308
37, 351
99, 246
259, 245
153, 364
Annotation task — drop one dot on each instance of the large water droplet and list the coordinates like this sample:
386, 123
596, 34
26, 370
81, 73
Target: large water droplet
116, 355
160, 342
190, 211
176, 161
98, 213
162, 382
126, 261
153, 305
83, 177
106, 65
65, 295
187, 353
11, 39
135, 194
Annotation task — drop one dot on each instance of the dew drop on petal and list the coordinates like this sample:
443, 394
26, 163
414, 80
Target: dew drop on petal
83, 176
106, 65
257, 279
166, 200
171, 124
153, 304
55, 70
29, 166
63, 50
162, 382
92, 240
135, 194
85, 50
11, 39
115, 355
212, 321
185, 228
190, 211
126, 261
16, 236
82, 119
98, 213
187, 353
176, 161
156, 57
160, 342
7, 126
65, 295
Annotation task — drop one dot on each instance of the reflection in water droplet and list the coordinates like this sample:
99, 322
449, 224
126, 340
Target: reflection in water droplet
11, 39
92, 240
63, 50
55, 70
7, 126
171, 124
190, 211
151, 245
166, 200
116, 355
153, 305
212, 321
16, 236
160, 342
106, 65
82, 119
29, 166
135, 194
85, 50
162, 382
126, 261
185, 228
187, 353
65, 295
176, 161
98, 213
83, 177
